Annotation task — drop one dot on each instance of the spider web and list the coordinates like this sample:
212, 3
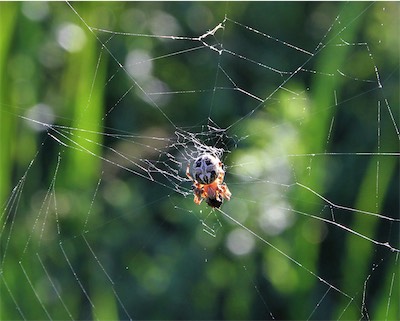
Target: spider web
100, 222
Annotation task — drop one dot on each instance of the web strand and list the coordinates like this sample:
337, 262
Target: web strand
298, 163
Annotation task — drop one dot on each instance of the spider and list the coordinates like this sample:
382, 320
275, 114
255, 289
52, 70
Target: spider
208, 181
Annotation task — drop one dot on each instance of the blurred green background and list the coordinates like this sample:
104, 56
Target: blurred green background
85, 238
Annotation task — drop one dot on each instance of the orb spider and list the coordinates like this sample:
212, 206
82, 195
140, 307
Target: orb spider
208, 181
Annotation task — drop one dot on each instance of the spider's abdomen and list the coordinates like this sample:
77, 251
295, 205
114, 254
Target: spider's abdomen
206, 169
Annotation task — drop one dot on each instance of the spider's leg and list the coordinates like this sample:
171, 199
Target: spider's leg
225, 192
198, 195
221, 177
188, 173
